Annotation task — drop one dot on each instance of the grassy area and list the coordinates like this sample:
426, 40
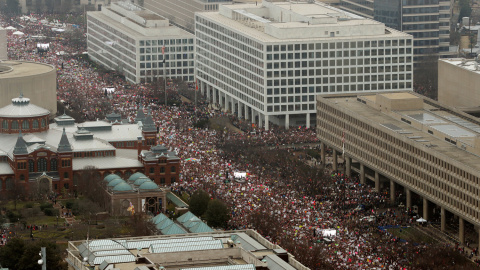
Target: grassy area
411, 234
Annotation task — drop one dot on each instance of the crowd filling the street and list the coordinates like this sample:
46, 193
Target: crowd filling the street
323, 217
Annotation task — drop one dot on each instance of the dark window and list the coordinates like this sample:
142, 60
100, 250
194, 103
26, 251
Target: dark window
31, 166
42, 165
65, 175
172, 169
152, 170
53, 164
162, 169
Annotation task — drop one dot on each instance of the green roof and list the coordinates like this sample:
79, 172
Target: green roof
158, 218
185, 217
110, 177
141, 180
135, 176
115, 182
200, 227
148, 186
163, 224
122, 187
175, 200
173, 229
191, 222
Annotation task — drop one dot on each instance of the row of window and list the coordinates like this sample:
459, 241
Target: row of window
402, 159
25, 124
340, 45
165, 42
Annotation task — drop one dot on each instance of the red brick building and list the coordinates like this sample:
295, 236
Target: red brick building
37, 157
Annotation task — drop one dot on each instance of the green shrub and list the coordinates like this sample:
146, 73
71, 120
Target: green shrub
69, 204
51, 212
43, 206
29, 205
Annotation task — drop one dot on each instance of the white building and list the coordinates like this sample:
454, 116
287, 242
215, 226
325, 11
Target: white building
129, 39
3, 44
269, 60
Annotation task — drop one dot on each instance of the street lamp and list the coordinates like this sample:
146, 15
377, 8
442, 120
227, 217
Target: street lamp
43, 260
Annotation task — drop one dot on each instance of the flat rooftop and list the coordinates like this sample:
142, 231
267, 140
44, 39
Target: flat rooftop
467, 64
413, 125
297, 21
219, 250
13, 69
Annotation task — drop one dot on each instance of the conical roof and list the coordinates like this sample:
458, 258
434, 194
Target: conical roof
64, 145
149, 125
20, 146
140, 115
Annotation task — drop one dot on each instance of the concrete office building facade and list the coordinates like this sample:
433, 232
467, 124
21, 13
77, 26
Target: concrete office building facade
458, 81
267, 62
414, 142
182, 12
129, 39
428, 21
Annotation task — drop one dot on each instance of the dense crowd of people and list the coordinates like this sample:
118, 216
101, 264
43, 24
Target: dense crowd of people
288, 202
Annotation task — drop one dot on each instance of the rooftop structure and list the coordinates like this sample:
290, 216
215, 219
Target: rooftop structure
458, 81
37, 81
138, 43
223, 250
266, 62
414, 142
182, 12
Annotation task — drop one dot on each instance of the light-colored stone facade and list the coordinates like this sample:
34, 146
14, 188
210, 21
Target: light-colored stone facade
458, 83
430, 149
266, 62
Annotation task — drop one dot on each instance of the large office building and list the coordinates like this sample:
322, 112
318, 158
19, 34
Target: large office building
458, 81
40, 158
267, 61
139, 44
428, 21
429, 149
217, 250
182, 12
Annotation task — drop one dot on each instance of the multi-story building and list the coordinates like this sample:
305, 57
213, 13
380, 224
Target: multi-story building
60, 6
40, 158
139, 44
267, 62
428, 21
226, 250
182, 12
458, 81
411, 141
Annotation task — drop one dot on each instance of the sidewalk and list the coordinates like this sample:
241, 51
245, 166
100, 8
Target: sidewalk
64, 213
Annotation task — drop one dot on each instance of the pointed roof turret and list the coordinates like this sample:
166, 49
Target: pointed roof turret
64, 145
148, 125
140, 115
20, 146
